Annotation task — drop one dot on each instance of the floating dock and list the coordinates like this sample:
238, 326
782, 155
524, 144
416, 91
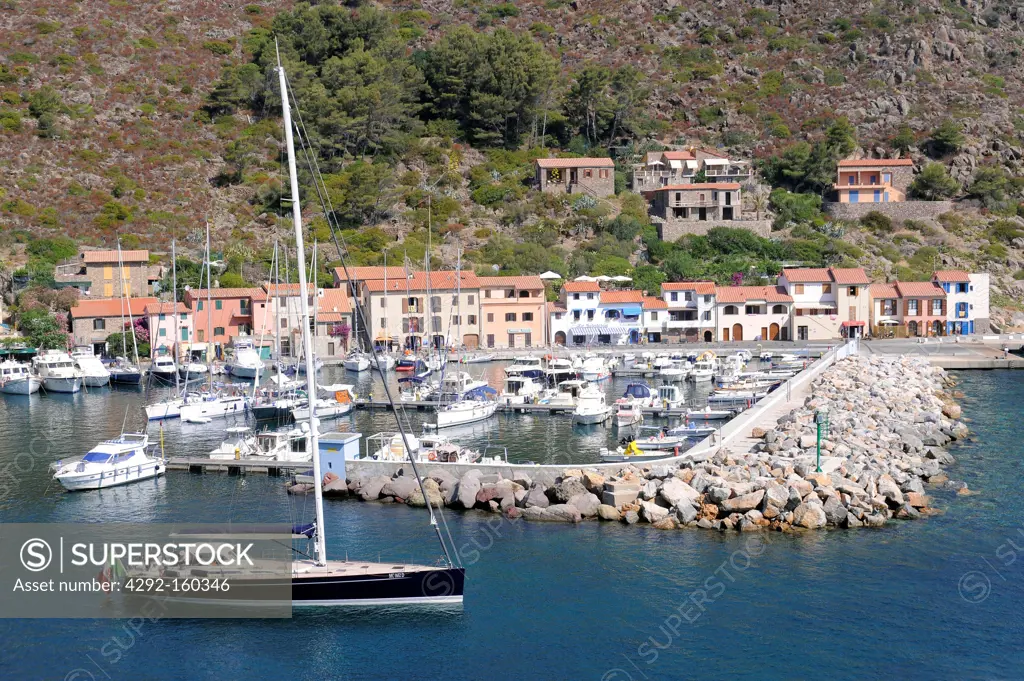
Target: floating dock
203, 464
530, 408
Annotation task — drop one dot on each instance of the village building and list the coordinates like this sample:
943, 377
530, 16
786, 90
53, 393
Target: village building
655, 318
904, 309
170, 328
752, 313
966, 301
512, 311
333, 328
595, 176
686, 166
873, 180
832, 302
100, 274
92, 321
691, 308
222, 315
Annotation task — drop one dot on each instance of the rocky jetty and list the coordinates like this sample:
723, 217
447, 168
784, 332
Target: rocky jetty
889, 420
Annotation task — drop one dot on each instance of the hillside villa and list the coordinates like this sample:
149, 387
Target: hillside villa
595, 176
873, 180
664, 168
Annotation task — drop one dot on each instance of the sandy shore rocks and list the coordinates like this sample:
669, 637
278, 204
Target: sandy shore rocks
889, 420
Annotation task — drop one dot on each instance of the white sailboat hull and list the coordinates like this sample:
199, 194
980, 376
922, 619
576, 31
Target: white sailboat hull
164, 410
246, 370
478, 411
55, 384
357, 365
211, 409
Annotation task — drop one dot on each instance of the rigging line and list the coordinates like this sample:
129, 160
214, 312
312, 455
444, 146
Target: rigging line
326, 205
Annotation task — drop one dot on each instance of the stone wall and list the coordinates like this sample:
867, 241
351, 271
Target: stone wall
670, 230
898, 210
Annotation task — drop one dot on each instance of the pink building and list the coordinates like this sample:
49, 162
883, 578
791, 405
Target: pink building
229, 313
170, 328
512, 311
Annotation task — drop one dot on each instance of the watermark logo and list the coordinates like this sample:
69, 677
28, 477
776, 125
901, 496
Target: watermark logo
974, 586
36, 555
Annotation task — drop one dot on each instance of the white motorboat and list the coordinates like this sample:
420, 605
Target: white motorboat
212, 406
531, 367
660, 439
416, 389
464, 411
669, 397
318, 364
591, 407
520, 390
94, 374
567, 393
559, 369
479, 359
703, 370
628, 359
708, 414
436, 362
675, 371
57, 371
634, 454
692, 431
193, 369
629, 407
595, 369
661, 361
356, 361
325, 409
270, 445
114, 462
17, 378
738, 400
458, 384
425, 448
246, 361
164, 367
383, 362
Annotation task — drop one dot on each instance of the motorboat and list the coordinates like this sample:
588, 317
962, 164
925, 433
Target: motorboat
356, 361
520, 390
676, 371
17, 378
269, 445
591, 407
382, 362
170, 408
628, 359
94, 374
479, 359
708, 414
219, 369
123, 372
531, 367
246, 361
436, 362
559, 369
766, 356
408, 363
57, 371
325, 409
463, 411
669, 397
459, 384
595, 369
633, 453
737, 401
661, 361
416, 389
212, 406
425, 448
659, 439
275, 408
692, 432
629, 407
703, 370
193, 370
164, 368
114, 462
567, 393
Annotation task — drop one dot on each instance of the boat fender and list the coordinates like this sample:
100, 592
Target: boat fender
432, 456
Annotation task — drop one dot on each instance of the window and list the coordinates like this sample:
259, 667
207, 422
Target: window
456, 319
201, 335
874, 179
673, 296
490, 316
888, 307
850, 180
937, 306
575, 296
108, 290
243, 307
527, 316
286, 346
826, 288
852, 291
590, 296
184, 334
886, 178
471, 319
162, 316
707, 315
801, 333
524, 294
99, 325
529, 339
576, 315
854, 196
707, 298
912, 307
961, 288
587, 172
383, 322
679, 197
752, 309
714, 196
163, 332
510, 316
654, 316
778, 309
284, 323
487, 293
511, 293
731, 309
183, 316
218, 331
435, 324
199, 307
688, 296
218, 305
798, 288
590, 315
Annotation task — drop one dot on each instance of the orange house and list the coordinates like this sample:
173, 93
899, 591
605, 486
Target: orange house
222, 314
513, 311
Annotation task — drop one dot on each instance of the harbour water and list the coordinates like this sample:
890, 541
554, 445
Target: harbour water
936, 598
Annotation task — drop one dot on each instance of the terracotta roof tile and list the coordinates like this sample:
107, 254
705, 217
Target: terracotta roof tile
919, 288
652, 303
556, 307
111, 256
743, 294
805, 275
701, 287
575, 163
369, 272
883, 291
439, 281
280, 289
952, 276
224, 293
111, 307
334, 301
626, 296
526, 282
849, 275
166, 308
875, 162
678, 155
580, 286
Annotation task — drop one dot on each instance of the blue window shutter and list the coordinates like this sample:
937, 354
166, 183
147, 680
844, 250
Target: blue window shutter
854, 196
878, 196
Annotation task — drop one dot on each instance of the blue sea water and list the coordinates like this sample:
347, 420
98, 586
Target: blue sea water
938, 598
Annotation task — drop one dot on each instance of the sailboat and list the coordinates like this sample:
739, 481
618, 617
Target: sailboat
317, 581
356, 360
122, 371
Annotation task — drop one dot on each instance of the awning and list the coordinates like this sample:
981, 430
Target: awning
716, 161
888, 322
692, 165
588, 330
632, 310
675, 164
384, 337
852, 324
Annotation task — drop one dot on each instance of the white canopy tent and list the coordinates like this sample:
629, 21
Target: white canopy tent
550, 275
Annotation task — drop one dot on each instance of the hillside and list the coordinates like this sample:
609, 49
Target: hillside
150, 119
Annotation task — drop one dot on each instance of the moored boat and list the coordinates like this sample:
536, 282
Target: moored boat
114, 462
17, 378
57, 372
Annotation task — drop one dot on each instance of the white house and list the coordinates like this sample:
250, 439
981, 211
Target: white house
828, 303
753, 313
585, 315
655, 318
966, 301
691, 310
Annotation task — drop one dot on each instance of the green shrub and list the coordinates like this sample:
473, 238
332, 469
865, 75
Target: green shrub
219, 47
933, 183
877, 222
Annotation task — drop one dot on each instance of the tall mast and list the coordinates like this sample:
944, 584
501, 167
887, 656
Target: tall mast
275, 301
131, 322
174, 311
209, 296
320, 554
387, 321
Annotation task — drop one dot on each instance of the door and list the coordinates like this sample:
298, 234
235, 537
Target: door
708, 336
560, 338
801, 333
773, 332
528, 340
702, 213
573, 179
471, 341
727, 213
912, 328
511, 340
330, 349
737, 332
725, 334
764, 333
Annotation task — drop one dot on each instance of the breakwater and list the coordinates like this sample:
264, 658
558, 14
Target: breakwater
889, 420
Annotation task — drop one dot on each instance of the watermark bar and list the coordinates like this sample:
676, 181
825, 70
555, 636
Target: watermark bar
154, 571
